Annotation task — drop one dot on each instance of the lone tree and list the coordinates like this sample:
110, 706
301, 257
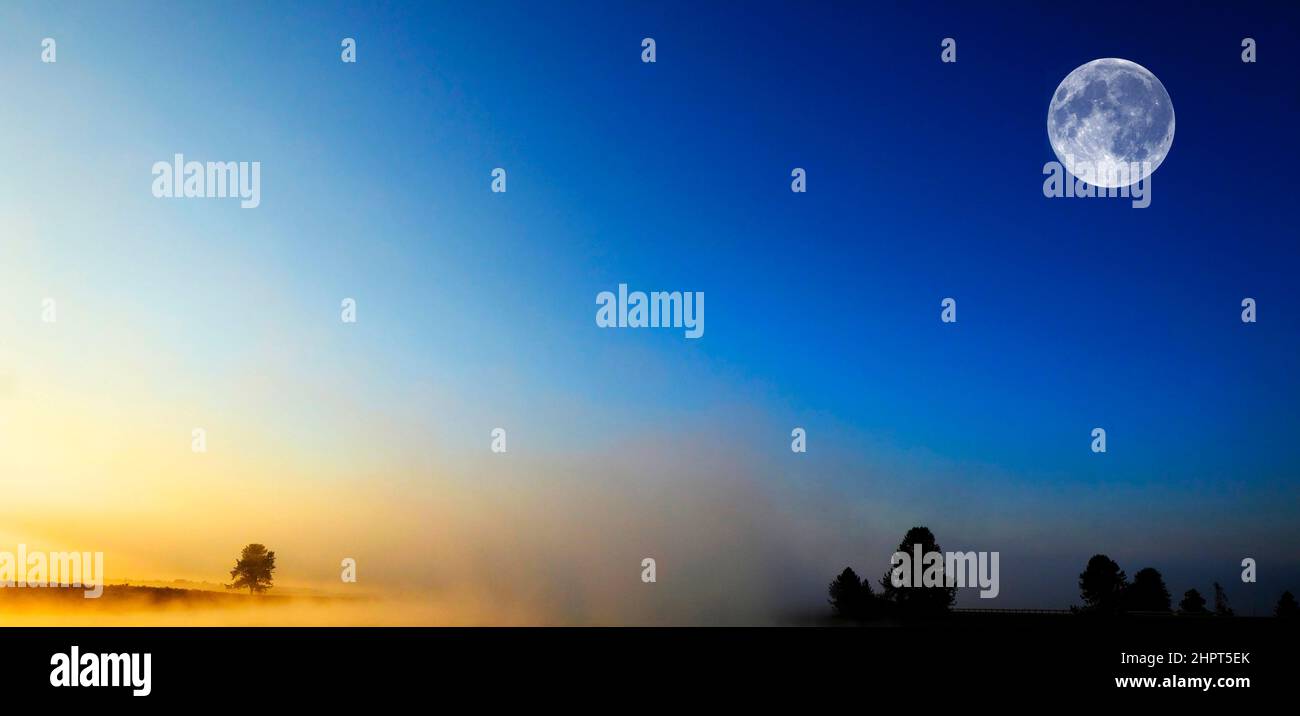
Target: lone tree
1148, 592
253, 569
1286, 606
918, 600
1102, 584
1221, 607
1193, 603
851, 597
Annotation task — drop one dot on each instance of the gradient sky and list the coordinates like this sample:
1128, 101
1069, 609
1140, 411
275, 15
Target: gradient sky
476, 309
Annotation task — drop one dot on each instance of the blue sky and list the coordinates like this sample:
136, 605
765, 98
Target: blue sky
924, 181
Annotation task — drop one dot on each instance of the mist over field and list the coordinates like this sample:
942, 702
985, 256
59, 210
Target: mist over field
736, 541
151, 606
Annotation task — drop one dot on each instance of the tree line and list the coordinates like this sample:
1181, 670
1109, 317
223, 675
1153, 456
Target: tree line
1103, 587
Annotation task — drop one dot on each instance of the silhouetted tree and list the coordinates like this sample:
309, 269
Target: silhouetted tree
253, 569
1102, 584
918, 600
1193, 603
1147, 593
1221, 607
1286, 606
851, 597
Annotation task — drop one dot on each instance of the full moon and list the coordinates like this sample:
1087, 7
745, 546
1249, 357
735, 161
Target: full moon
1105, 116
